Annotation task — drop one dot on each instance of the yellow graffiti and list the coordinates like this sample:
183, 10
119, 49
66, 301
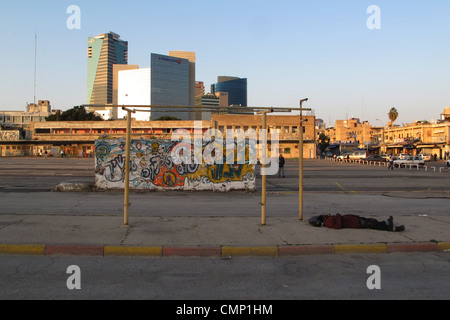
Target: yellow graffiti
218, 173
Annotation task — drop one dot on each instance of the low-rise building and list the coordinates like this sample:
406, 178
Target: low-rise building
429, 137
420, 137
22, 119
77, 138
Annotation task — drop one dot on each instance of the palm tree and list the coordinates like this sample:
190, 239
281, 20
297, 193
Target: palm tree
393, 115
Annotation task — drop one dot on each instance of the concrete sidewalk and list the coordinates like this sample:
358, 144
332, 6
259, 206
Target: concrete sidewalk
209, 236
81, 221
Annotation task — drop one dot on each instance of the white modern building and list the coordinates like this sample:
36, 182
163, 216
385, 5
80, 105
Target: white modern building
134, 88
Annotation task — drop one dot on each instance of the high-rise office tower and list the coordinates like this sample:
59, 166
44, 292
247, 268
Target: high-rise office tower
104, 51
235, 87
190, 56
170, 86
199, 88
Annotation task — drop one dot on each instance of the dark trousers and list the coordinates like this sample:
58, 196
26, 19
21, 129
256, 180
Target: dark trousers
369, 223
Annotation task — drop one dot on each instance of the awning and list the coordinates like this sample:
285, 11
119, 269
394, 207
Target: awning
426, 146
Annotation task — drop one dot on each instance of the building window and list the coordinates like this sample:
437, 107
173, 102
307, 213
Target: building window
42, 131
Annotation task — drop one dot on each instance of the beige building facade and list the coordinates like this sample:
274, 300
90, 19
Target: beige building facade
77, 138
354, 131
190, 56
421, 137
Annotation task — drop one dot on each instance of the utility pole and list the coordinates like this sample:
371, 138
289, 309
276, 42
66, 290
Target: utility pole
300, 164
263, 169
126, 202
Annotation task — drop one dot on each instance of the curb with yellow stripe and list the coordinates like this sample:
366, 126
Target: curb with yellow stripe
220, 251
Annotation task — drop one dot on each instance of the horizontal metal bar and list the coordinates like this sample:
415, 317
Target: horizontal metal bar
208, 108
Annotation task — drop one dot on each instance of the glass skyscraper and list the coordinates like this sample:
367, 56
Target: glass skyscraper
235, 87
104, 51
169, 85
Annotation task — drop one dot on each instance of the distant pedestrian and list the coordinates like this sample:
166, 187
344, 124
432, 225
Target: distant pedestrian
435, 157
62, 154
391, 163
45, 154
281, 163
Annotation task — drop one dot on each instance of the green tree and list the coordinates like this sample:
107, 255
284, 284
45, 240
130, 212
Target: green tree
77, 113
166, 118
323, 142
393, 115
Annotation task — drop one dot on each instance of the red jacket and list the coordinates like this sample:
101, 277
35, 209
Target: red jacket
339, 222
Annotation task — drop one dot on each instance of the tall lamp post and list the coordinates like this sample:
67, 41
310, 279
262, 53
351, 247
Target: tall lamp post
126, 202
300, 164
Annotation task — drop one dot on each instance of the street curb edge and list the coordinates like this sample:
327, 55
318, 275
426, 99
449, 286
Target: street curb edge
219, 251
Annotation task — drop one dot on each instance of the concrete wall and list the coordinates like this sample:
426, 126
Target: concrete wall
152, 167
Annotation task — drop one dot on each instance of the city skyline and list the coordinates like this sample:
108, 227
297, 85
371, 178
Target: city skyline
287, 50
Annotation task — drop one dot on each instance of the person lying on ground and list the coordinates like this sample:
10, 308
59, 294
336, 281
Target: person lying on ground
351, 221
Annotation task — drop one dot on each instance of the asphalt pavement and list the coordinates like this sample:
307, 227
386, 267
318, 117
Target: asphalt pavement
80, 221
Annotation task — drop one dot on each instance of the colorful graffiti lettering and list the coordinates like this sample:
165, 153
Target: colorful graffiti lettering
153, 167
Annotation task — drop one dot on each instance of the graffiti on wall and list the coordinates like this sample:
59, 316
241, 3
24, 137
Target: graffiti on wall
172, 165
9, 135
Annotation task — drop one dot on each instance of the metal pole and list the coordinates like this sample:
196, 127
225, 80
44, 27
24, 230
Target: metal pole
263, 170
300, 164
126, 202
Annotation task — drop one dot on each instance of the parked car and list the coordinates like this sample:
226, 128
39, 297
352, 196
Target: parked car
386, 157
410, 160
358, 155
374, 158
426, 156
402, 156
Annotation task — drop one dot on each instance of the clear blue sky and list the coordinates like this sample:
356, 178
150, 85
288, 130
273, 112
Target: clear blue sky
288, 50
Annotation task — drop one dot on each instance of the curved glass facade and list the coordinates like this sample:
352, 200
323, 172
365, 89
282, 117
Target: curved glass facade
236, 88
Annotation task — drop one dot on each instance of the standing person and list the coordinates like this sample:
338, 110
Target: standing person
45, 154
281, 162
391, 162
